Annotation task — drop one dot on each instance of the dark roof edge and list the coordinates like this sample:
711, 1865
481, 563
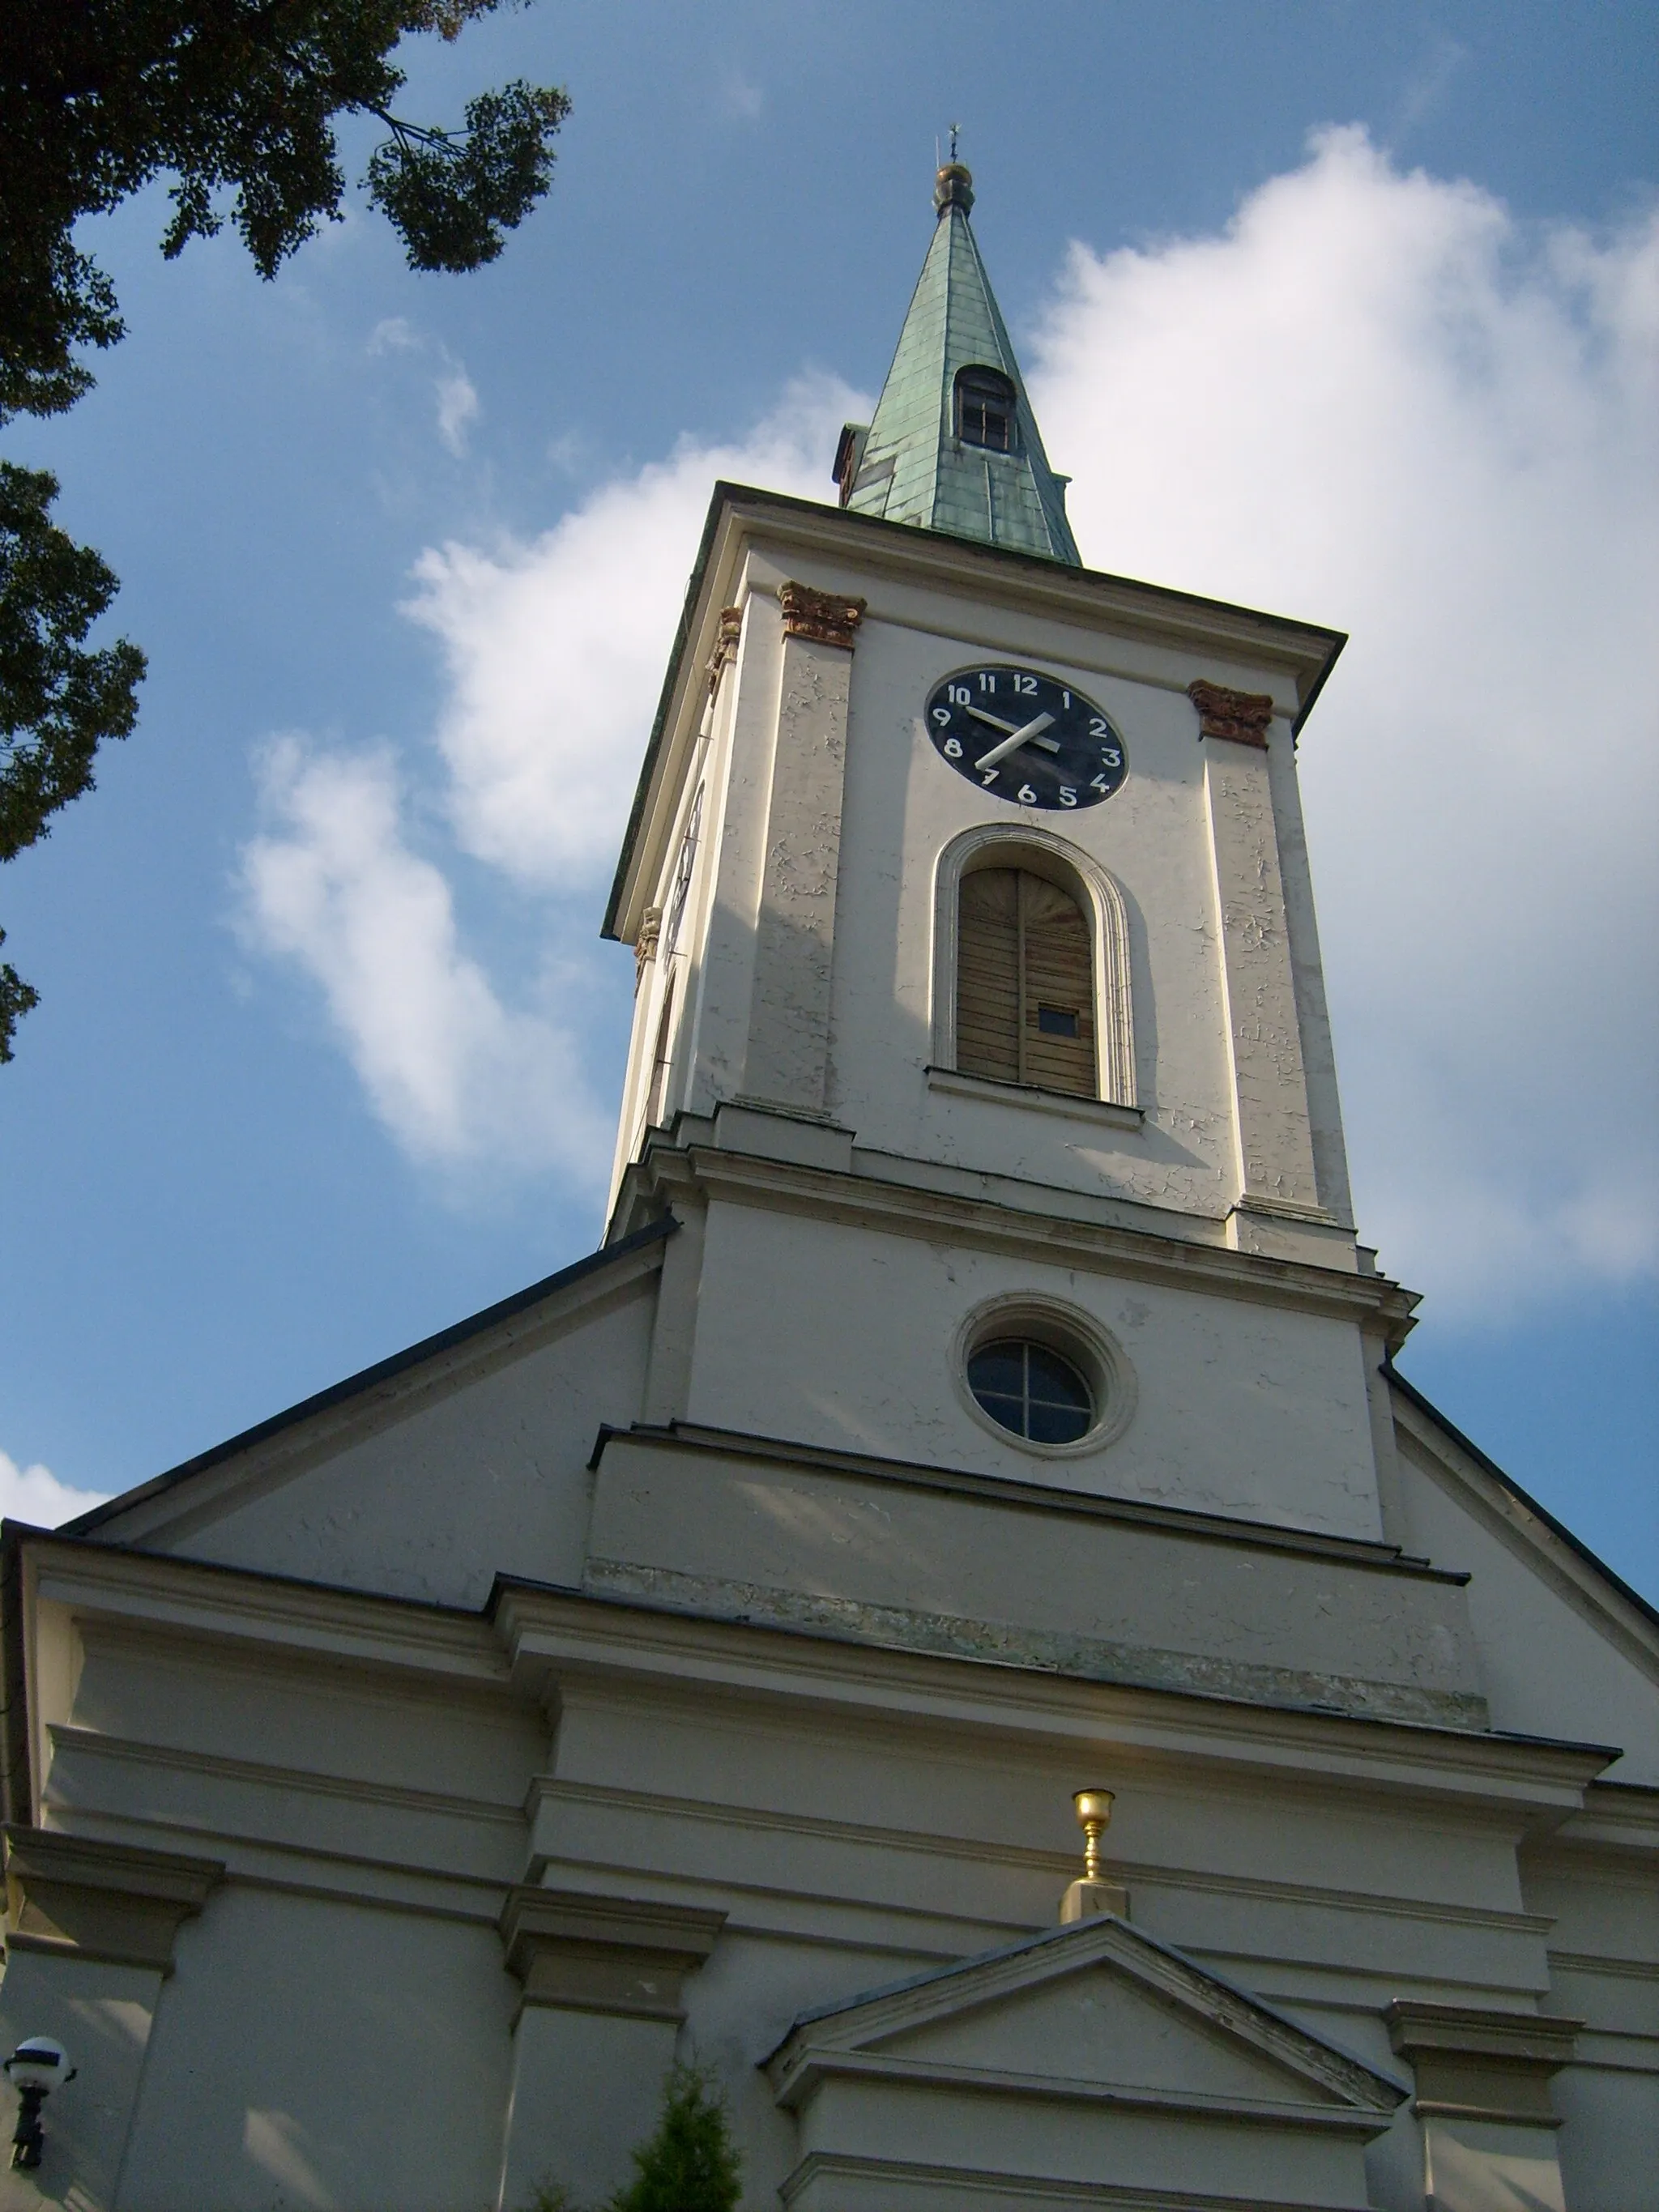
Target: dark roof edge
726, 492
1524, 1496
382, 1371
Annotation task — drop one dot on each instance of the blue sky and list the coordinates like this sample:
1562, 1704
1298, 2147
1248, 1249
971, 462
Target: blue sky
1336, 308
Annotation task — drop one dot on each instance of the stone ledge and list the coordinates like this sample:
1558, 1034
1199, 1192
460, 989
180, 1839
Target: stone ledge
1072, 1104
584, 1952
112, 1903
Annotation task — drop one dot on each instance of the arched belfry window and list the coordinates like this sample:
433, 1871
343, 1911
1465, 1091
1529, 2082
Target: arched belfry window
1025, 982
984, 410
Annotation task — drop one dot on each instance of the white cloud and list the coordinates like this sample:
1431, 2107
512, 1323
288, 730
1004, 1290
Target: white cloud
554, 649
35, 1495
456, 397
457, 408
1431, 80
459, 1078
555, 652
742, 96
1379, 401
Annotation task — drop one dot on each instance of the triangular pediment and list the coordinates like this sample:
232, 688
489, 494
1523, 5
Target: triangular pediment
1096, 2008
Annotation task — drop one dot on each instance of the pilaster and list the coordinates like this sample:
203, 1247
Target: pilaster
788, 1059
90, 1928
596, 2032
1277, 1179
1483, 2103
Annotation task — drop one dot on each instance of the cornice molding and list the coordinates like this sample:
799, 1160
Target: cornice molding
630, 1806
1028, 1497
1520, 1783
671, 1171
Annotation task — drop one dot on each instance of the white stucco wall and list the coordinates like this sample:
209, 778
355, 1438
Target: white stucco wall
839, 1334
1550, 1665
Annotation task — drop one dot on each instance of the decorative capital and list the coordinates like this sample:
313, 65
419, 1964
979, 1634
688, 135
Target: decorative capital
726, 646
1241, 716
645, 944
823, 617
115, 1903
587, 1953
1474, 2063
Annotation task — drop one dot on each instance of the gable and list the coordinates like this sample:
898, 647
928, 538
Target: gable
1566, 1649
427, 1477
1096, 2004
1100, 2026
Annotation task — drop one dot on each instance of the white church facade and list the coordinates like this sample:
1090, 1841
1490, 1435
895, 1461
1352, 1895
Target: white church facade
980, 1397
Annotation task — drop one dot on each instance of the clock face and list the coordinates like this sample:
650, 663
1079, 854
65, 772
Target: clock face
1025, 736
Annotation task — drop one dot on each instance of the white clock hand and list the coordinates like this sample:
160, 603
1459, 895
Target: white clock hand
1048, 744
995, 720
1032, 731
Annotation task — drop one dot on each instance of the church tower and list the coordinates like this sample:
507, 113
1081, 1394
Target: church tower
969, 893
979, 1424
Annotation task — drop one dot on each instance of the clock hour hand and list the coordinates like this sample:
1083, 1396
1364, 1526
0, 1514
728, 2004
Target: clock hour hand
1032, 733
1048, 744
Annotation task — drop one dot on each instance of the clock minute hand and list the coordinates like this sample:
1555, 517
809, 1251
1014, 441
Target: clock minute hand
1012, 743
996, 722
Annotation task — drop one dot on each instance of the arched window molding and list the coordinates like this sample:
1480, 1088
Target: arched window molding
1026, 844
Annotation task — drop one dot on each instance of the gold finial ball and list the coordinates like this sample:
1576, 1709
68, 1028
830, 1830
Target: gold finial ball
954, 187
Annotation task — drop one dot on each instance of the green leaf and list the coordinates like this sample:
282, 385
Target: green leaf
58, 700
451, 198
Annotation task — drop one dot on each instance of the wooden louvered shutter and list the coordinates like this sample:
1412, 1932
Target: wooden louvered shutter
1024, 983
988, 975
1057, 1015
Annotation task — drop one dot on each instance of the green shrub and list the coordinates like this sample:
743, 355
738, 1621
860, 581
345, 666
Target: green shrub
691, 2163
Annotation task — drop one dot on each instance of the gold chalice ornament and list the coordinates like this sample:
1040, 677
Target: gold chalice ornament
1094, 1812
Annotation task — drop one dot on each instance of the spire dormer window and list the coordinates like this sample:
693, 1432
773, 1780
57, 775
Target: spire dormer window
985, 406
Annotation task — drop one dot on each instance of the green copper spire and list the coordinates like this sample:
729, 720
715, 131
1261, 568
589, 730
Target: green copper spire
954, 444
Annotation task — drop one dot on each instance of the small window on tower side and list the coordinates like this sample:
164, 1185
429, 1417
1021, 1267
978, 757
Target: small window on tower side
984, 410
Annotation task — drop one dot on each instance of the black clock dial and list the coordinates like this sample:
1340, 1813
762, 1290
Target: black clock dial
1025, 736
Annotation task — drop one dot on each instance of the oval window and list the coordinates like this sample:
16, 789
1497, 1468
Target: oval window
1031, 1391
